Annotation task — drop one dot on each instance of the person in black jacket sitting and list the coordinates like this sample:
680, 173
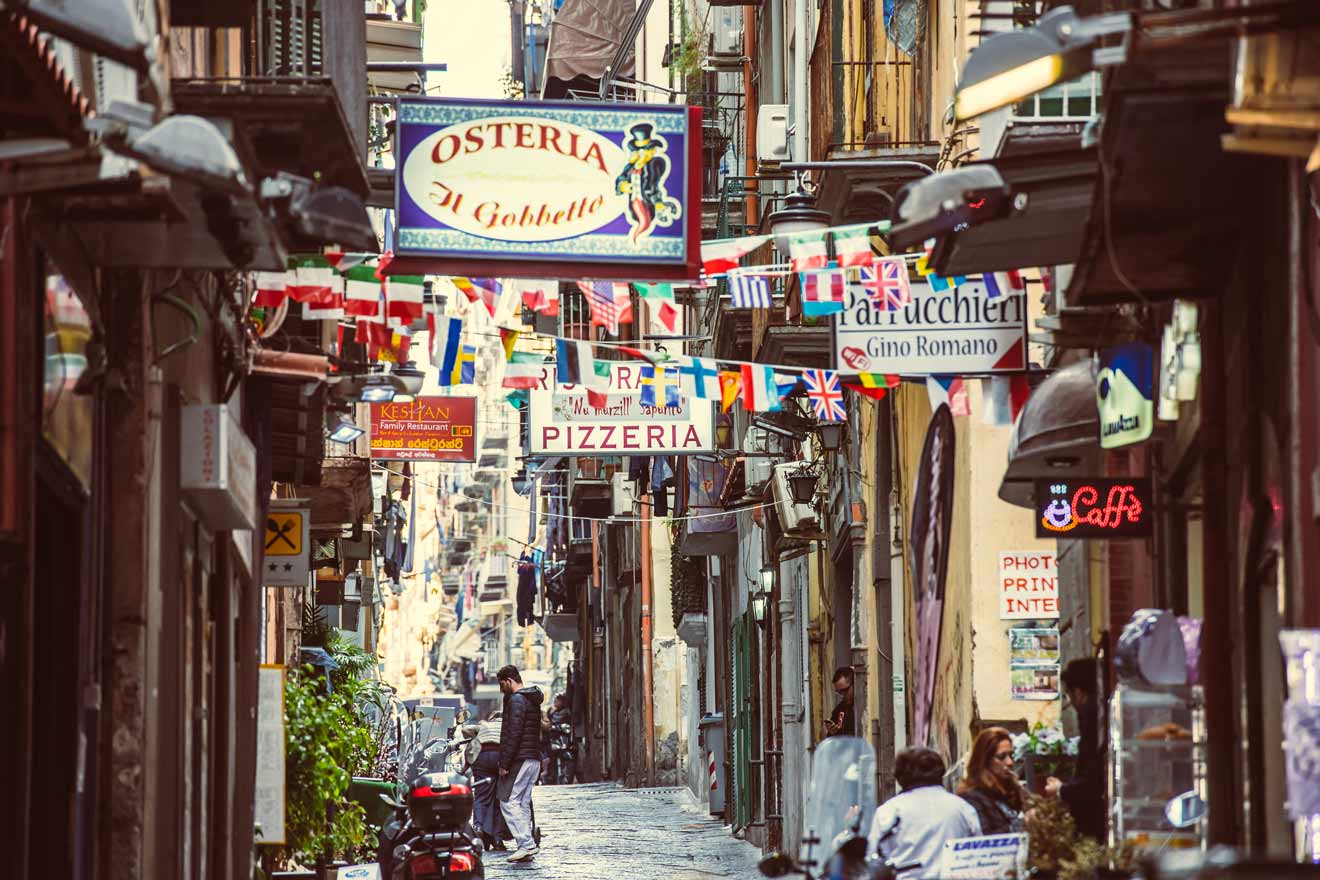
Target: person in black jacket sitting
520, 757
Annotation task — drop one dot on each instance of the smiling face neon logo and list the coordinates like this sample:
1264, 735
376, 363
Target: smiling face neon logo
1057, 515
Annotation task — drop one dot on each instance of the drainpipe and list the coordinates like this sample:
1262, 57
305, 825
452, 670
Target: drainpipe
648, 682
776, 8
801, 22
750, 206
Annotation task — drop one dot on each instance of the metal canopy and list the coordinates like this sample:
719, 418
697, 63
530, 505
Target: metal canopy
282, 124
106, 27
1178, 198
1057, 434
864, 192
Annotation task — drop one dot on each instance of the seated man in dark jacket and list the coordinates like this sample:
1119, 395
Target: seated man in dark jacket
520, 756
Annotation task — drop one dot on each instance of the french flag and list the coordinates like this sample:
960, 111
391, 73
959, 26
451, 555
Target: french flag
999, 284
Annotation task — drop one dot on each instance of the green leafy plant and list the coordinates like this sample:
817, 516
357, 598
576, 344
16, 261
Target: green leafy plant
326, 739
1057, 850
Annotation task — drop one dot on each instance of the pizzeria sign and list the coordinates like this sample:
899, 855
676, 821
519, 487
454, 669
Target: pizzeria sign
548, 189
564, 420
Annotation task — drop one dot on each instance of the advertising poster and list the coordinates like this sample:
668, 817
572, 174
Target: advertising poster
1028, 585
426, 429
994, 857
962, 330
606, 190
1033, 660
269, 812
928, 541
563, 419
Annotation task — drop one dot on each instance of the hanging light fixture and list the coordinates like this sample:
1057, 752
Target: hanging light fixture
831, 436
342, 430
758, 605
799, 214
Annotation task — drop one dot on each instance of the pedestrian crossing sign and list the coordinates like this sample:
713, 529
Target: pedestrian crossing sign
288, 526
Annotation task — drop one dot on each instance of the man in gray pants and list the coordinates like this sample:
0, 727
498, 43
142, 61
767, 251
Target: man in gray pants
520, 757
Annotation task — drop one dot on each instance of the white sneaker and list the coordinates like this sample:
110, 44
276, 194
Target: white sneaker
523, 855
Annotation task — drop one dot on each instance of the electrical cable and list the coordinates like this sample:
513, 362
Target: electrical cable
570, 516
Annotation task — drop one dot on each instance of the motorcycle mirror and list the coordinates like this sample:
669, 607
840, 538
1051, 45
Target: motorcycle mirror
777, 865
1185, 810
391, 801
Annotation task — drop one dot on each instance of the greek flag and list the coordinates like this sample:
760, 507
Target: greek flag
749, 291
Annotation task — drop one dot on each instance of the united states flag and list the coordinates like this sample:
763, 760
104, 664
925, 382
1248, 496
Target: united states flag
610, 304
749, 291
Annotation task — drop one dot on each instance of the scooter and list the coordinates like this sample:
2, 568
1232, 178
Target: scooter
841, 801
431, 835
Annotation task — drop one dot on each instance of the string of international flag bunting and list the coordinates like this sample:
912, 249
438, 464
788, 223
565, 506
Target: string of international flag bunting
380, 309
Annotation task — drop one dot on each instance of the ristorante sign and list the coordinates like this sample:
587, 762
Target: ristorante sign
563, 420
426, 429
548, 189
962, 330
1094, 508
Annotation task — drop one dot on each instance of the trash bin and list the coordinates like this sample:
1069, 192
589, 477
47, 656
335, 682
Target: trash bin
712, 744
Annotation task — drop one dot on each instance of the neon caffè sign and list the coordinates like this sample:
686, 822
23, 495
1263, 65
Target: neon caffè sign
1094, 508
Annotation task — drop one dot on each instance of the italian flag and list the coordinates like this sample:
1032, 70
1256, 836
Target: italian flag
806, 250
721, 255
523, 370
362, 292
403, 298
270, 289
312, 281
852, 246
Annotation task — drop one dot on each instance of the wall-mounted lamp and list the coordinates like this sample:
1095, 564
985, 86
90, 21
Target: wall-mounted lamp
342, 430
767, 580
831, 436
758, 605
798, 215
802, 485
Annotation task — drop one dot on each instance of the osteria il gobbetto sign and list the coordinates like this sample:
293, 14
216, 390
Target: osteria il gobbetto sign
562, 420
548, 189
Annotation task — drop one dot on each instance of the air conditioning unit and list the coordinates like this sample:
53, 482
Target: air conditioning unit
772, 133
623, 494
797, 520
353, 586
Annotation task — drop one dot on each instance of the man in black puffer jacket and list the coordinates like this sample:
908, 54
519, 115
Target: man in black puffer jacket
520, 757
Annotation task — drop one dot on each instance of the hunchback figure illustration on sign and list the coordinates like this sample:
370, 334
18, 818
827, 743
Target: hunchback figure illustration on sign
643, 181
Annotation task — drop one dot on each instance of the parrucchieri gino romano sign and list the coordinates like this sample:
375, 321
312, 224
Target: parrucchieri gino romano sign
548, 189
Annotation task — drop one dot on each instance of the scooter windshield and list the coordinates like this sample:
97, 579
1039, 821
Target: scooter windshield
842, 797
427, 748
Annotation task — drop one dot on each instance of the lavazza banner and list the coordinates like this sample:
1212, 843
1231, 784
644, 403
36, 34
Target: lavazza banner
563, 420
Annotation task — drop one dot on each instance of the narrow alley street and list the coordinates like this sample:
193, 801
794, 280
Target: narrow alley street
604, 832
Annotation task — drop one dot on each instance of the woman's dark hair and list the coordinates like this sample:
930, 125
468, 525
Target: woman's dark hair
982, 774
844, 672
508, 672
914, 768
1080, 674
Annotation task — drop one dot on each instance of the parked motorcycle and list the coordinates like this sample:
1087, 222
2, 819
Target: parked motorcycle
840, 804
431, 835
562, 757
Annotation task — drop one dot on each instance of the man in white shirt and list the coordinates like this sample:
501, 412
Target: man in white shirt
910, 829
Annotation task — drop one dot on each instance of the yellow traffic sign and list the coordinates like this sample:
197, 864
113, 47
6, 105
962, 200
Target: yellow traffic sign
284, 533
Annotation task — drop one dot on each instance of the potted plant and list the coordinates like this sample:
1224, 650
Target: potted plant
1043, 752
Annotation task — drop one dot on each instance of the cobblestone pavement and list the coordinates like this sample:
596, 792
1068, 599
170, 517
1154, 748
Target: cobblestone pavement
604, 832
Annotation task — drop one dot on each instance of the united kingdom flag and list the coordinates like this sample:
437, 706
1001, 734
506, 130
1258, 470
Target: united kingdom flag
825, 394
886, 280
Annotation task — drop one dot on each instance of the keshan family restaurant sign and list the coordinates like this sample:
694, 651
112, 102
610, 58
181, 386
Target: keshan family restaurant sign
548, 189
563, 420
962, 331
427, 429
